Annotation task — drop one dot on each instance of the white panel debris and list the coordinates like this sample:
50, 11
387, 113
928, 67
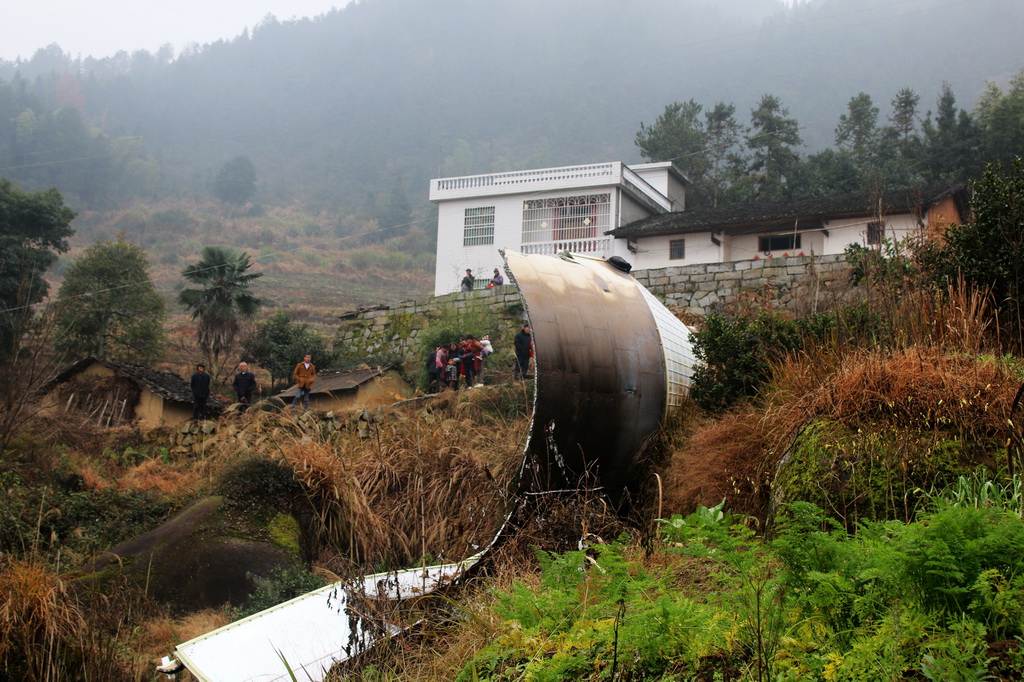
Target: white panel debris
311, 633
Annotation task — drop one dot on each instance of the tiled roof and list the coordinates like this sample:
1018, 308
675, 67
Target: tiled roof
337, 382
167, 385
765, 215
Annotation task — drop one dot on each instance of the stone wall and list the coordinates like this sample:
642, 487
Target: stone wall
801, 284
393, 334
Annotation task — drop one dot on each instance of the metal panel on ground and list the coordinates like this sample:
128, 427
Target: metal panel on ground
311, 633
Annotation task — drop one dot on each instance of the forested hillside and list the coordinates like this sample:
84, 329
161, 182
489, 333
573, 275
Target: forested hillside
354, 110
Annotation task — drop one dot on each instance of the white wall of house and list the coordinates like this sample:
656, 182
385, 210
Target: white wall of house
664, 178
842, 233
453, 259
747, 246
478, 215
656, 252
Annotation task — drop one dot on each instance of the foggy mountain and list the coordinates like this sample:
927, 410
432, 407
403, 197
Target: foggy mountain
380, 96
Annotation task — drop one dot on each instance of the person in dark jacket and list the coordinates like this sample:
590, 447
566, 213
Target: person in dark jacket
244, 384
200, 385
432, 370
468, 281
523, 346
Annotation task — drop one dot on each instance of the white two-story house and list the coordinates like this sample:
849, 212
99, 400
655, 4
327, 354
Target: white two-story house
547, 210
638, 212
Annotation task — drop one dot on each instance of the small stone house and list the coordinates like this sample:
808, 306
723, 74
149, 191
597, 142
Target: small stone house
115, 393
357, 388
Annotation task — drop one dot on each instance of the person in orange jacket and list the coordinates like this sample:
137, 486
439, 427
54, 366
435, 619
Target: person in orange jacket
304, 375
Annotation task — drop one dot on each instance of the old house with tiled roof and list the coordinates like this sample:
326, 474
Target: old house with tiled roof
365, 387
802, 227
115, 393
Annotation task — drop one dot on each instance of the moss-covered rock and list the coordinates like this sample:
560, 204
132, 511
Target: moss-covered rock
873, 470
211, 553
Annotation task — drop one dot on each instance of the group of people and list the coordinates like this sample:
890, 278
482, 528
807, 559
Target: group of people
469, 281
449, 365
245, 384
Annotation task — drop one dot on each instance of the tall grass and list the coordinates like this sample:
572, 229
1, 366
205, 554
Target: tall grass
47, 635
421, 487
980, 490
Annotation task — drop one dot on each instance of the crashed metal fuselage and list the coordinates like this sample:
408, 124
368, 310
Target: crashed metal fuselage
610, 360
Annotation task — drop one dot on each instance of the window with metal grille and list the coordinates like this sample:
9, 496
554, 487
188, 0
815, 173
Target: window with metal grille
677, 249
778, 242
478, 226
876, 232
561, 218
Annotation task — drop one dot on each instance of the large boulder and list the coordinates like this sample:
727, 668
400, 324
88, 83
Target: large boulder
211, 553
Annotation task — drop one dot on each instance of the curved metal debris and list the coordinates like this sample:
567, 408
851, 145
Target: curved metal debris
610, 361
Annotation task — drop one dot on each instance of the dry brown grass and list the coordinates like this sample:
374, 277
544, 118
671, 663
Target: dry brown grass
931, 374
47, 635
158, 477
462, 621
424, 485
921, 387
723, 458
158, 636
37, 618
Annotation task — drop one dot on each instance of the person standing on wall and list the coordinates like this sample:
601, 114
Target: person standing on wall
467, 281
200, 385
244, 384
523, 346
304, 375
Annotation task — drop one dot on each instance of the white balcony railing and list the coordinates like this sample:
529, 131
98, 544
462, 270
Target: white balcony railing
543, 179
528, 177
594, 246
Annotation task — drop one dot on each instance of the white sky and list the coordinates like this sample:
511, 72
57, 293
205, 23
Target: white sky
99, 28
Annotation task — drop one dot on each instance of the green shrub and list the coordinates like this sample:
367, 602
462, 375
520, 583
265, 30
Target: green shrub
256, 480
284, 584
873, 470
73, 519
734, 355
954, 563
597, 615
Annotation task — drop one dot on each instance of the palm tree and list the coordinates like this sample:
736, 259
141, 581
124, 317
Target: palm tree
223, 301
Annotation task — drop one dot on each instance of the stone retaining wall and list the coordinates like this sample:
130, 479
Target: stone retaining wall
393, 334
801, 284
